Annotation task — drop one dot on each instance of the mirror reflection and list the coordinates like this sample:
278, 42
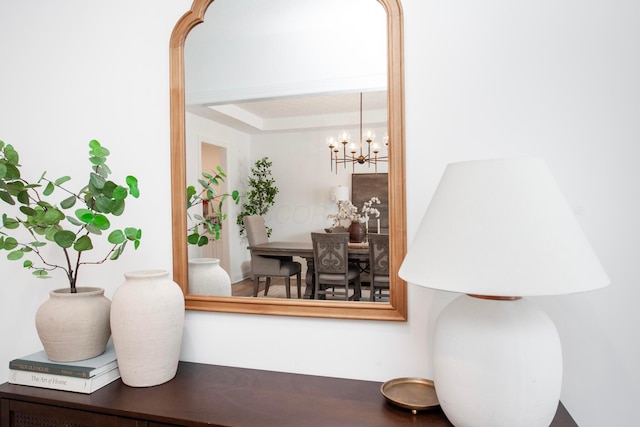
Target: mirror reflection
276, 82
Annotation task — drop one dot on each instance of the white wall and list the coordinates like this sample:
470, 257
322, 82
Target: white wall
483, 79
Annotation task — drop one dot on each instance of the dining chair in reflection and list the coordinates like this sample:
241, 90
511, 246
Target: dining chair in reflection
269, 266
379, 266
332, 268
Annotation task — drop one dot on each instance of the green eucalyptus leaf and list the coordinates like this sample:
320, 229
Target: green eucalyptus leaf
9, 243
74, 221
193, 238
133, 233
11, 154
3, 170
15, 255
84, 215
48, 189
120, 193
69, 202
117, 207
12, 171
29, 211
101, 221
44, 205
104, 204
6, 197
27, 263
100, 152
9, 223
203, 241
116, 237
23, 197
41, 274
53, 216
118, 251
62, 180
83, 244
132, 182
104, 170
93, 229
50, 234
97, 181
108, 189
97, 160
64, 238
191, 191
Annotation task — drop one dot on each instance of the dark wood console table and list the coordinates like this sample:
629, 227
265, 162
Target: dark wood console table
212, 395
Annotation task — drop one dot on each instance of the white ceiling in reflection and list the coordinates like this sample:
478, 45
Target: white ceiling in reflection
267, 104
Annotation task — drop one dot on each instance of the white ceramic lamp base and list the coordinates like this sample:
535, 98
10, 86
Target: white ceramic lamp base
497, 363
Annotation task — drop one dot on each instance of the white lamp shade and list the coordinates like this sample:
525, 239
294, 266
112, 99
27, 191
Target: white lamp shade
501, 228
339, 193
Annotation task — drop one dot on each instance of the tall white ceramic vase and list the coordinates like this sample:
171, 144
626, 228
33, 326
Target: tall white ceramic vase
74, 326
207, 277
147, 319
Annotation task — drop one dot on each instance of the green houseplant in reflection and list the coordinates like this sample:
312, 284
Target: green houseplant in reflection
206, 226
206, 276
44, 214
261, 194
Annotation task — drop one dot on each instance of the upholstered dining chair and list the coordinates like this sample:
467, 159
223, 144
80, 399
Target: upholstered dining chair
332, 268
268, 266
379, 266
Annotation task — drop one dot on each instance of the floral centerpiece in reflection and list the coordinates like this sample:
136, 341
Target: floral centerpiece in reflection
348, 213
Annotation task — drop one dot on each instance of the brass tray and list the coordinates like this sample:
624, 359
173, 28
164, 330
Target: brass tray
411, 393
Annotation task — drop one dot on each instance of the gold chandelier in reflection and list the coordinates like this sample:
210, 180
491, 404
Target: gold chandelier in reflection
355, 153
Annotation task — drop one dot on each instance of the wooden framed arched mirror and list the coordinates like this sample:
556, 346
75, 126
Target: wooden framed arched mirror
396, 306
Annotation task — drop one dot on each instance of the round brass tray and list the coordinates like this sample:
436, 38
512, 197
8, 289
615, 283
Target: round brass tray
411, 393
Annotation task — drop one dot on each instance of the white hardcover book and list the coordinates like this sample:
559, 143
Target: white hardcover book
62, 382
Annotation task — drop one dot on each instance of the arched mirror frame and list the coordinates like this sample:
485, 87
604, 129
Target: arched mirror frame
396, 309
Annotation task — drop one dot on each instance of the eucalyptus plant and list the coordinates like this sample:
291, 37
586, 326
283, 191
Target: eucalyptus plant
37, 218
261, 194
207, 227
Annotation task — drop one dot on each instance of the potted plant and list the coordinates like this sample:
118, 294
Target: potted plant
261, 195
206, 226
206, 276
36, 219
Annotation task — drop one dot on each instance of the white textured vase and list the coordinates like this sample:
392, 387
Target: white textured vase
74, 326
147, 319
207, 277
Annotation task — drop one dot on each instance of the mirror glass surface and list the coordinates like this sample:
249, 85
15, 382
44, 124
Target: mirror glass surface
274, 79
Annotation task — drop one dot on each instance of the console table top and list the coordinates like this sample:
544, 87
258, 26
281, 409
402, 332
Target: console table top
224, 396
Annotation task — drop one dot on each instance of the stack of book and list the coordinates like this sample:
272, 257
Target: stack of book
84, 376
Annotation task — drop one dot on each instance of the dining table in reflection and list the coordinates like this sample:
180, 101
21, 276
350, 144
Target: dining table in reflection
358, 252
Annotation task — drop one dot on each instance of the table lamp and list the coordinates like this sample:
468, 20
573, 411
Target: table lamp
497, 231
339, 193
